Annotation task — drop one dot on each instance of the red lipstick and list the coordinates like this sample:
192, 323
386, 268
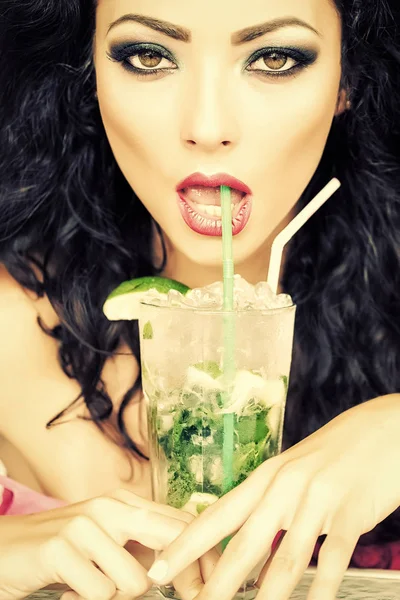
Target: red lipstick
200, 206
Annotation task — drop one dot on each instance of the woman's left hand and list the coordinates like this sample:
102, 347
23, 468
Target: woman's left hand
341, 481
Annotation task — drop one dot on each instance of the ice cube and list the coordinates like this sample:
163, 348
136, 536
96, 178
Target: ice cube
175, 298
208, 297
246, 297
166, 423
275, 418
245, 387
243, 287
216, 471
248, 385
196, 467
264, 296
189, 302
266, 299
198, 377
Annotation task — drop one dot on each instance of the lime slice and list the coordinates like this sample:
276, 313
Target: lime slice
124, 301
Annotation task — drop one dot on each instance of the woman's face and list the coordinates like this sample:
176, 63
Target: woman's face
246, 89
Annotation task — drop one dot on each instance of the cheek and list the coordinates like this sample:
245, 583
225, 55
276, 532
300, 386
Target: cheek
291, 120
309, 123
132, 120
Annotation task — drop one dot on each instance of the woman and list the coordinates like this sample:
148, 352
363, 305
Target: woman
107, 107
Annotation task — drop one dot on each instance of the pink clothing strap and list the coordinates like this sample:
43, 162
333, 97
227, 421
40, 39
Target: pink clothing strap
17, 499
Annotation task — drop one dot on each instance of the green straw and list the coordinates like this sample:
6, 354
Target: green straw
229, 335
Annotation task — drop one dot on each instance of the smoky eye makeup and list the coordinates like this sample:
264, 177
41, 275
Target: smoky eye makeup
148, 59
153, 54
280, 61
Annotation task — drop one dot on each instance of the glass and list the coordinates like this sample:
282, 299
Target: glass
208, 432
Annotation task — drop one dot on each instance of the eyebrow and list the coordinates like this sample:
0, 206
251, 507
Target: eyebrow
240, 37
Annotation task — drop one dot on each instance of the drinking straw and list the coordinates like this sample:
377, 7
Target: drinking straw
284, 236
229, 334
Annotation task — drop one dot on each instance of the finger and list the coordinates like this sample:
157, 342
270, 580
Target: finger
114, 561
248, 551
139, 502
220, 520
189, 583
245, 554
70, 596
68, 565
269, 560
334, 558
282, 572
124, 523
75, 596
208, 562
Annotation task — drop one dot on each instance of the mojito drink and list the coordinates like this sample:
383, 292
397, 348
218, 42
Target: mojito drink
209, 432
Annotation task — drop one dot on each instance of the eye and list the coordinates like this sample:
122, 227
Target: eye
142, 59
148, 59
274, 62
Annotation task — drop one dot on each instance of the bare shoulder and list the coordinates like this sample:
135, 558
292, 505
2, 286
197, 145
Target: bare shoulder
24, 347
16, 310
34, 389
15, 300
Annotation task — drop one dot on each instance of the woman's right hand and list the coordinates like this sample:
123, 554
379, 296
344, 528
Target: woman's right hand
82, 545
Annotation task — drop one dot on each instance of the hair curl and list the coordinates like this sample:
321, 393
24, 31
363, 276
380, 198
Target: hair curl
68, 213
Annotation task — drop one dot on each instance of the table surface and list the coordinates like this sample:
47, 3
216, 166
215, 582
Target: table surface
358, 584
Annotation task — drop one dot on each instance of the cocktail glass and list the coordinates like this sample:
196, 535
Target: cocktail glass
190, 400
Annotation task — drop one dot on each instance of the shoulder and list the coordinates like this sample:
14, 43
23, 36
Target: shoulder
33, 384
22, 341
16, 307
19, 306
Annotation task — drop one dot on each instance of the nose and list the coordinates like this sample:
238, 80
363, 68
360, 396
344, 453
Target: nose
209, 115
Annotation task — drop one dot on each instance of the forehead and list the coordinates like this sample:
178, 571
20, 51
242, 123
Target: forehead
219, 17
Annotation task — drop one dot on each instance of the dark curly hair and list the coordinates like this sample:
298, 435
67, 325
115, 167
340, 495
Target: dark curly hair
72, 228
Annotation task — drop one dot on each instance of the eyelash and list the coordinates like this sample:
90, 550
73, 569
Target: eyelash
123, 52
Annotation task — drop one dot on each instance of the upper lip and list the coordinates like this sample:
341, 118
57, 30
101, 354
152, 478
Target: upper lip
213, 181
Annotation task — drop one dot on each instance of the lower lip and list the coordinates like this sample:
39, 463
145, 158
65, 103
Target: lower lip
212, 226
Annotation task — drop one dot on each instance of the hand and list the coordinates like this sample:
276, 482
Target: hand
340, 481
66, 545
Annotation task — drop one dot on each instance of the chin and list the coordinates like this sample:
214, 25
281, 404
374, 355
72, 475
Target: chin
207, 251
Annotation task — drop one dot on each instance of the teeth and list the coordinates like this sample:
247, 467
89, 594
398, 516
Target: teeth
213, 211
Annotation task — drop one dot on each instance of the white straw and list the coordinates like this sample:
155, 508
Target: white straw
284, 236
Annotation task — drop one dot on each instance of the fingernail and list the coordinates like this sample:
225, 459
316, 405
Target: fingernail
158, 571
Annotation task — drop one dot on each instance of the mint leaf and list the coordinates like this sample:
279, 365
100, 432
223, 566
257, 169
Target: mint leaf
181, 485
247, 458
252, 428
148, 331
210, 367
